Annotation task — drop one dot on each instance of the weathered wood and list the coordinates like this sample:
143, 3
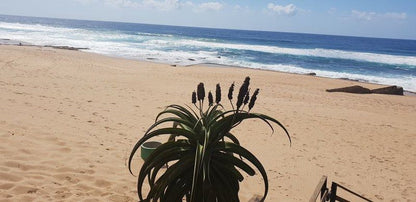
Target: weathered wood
324, 196
319, 190
344, 188
333, 195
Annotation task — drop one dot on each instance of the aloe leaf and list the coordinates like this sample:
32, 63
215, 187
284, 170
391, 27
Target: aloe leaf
277, 122
162, 160
231, 147
232, 138
224, 182
169, 119
155, 184
173, 172
224, 165
163, 131
177, 113
185, 110
229, 159
197, 163
160, 155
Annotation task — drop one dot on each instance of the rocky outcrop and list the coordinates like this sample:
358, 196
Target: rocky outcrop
66, 47
391, 90
351, 89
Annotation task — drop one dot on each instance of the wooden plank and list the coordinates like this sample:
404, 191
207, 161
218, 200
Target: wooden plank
320, 189
333, 196
324, 196
348, 190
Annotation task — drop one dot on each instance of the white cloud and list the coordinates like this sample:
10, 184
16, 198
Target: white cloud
161, 5
187, 4
289, 9
368, 16
153, 4
85, 2
398, 16
216, 6
121, 3
363, 15
332, 11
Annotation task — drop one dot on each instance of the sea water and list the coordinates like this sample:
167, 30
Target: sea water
376, 60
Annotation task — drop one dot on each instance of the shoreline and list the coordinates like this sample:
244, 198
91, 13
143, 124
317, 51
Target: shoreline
69, 120
311, 73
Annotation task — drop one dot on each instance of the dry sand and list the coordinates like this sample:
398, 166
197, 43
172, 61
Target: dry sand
69, 119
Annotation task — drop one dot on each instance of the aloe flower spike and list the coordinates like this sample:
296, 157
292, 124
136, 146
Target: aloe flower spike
247, 97
230, 92
194, 97
210, 99
218, 94
200, 91
242, 93
253, 99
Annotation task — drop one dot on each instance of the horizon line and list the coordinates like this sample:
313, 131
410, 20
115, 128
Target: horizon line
202, 27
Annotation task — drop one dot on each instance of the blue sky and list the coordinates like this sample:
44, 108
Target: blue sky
374, 18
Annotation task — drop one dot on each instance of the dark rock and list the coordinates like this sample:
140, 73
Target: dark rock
351, 89
173, 65
67, 47
311, 74
391, 90
191, 59
348, 79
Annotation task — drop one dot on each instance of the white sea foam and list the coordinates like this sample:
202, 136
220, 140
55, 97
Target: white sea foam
166, 40
407, 82
316, 52
33, 27
154, 34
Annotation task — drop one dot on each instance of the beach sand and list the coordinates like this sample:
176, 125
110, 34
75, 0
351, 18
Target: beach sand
69, 119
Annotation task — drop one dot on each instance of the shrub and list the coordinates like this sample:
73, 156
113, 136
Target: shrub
206, 157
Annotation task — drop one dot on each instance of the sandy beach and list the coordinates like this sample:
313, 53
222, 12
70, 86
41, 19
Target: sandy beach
69, 119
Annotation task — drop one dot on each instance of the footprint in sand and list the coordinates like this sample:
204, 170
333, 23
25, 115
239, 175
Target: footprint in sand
65, 150
102, 183
120, 198
6, 186
379, 197
91, 200
24, 190
10, 177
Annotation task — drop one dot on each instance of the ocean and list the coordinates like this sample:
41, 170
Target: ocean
375, 60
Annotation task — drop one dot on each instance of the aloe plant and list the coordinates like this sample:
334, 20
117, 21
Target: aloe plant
205, 158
